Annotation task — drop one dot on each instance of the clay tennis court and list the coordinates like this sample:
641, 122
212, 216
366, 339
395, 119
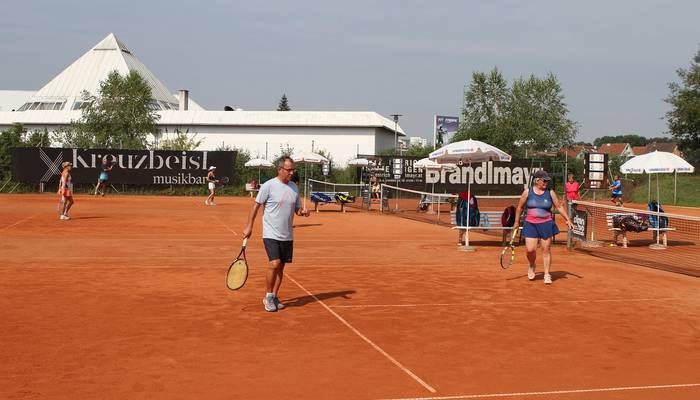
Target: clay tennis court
127, 300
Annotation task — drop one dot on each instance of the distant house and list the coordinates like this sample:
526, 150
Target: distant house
670, 147
639, 150
616, 149
576, 151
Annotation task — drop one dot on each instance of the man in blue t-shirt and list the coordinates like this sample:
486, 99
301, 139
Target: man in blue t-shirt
280, 197
616, 191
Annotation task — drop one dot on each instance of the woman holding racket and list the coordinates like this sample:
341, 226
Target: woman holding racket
65, 190
103, 179
280, 198
539, 225
211, 183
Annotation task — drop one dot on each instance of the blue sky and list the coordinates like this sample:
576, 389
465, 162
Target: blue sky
614, 58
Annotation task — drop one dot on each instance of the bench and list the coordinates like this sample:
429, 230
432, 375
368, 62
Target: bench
427, 203
617, 231
332, 199
488, 220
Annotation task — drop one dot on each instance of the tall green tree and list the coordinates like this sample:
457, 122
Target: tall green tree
683, 119
530, 115
283, 104
120, 115
537, 114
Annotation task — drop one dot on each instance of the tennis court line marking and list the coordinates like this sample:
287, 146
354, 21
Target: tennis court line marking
366, 339
501, 303
225, 226
550, 392
19, 222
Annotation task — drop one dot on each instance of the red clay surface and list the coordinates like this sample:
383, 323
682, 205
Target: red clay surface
127, 300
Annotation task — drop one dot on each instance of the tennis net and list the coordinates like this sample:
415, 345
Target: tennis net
436, 208
667, 241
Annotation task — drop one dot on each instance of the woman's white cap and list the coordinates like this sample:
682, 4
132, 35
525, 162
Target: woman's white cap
212, 167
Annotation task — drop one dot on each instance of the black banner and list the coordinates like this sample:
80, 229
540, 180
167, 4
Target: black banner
138, 167
579, 220
493, 177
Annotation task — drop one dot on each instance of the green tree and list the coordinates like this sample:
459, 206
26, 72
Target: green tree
529, 116
120, 115
683, 119
418, 150
483, 112
181, 141
537, 114
633, 140
9, 138
283, 104
38, 138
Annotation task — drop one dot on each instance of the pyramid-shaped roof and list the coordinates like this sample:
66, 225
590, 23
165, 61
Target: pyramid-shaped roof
93, 67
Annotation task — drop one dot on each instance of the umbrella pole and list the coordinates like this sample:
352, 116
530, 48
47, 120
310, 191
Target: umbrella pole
675, 187
469, 206
649, 188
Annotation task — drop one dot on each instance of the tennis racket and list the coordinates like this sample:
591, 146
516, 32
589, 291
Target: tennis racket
238, 271
508, 252
224, 180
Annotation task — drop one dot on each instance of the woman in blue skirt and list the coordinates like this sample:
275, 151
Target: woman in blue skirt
539, 225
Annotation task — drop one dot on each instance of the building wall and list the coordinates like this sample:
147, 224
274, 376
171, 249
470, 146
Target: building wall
383, 140
341, 143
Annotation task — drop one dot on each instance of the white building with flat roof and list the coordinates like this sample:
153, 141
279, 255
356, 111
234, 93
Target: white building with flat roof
263, 133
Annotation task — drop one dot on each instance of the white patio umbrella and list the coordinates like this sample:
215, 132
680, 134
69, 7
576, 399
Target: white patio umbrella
360, 163
426, 163
259, 163
657, 162
468, 152
308, 157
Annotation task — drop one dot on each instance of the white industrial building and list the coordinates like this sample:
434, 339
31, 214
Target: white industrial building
342, 134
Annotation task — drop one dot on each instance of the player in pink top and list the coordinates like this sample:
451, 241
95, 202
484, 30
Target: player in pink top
572, 188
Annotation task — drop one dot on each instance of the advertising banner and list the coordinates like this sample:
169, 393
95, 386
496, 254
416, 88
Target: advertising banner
445, 127
579, 220
138, 167
487, 177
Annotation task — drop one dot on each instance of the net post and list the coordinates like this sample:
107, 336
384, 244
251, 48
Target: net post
569, 235
381, 198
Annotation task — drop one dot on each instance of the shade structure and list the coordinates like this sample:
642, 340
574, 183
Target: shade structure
359, 162
467, 152
426, 163
657, 162
259, 163
308, 157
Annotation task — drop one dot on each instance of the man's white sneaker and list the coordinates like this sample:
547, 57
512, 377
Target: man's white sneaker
531, 272
548, 279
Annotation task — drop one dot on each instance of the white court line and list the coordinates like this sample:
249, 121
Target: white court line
366, 339
19, 222
225, 226
486, 302
572, 391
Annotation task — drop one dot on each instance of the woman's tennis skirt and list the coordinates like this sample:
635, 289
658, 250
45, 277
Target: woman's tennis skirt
543, 230
103, 177
212, 185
